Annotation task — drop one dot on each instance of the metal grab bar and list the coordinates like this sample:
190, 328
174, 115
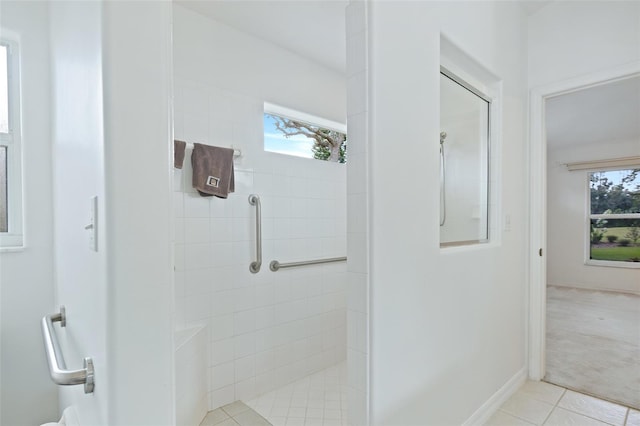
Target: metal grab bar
254, 267
57, 367
275, 265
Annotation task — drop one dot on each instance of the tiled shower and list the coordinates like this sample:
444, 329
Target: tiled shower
271, 328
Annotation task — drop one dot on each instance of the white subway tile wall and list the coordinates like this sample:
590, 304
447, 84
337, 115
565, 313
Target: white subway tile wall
357, 216
266, 329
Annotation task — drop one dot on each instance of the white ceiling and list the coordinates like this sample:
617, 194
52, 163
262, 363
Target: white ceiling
596, 115
313, 29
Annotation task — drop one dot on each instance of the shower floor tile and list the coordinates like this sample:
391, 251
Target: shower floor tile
316, 400
234, 414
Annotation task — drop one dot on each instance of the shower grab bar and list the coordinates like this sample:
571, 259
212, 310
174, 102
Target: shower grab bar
57, 367
275, 265
254, 267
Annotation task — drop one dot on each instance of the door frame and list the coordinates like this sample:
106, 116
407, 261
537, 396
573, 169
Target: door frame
538, 202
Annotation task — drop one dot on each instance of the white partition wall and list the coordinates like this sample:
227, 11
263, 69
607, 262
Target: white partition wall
111, 140
455, 321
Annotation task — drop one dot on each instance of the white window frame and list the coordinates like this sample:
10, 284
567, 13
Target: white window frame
590, 216
13, 239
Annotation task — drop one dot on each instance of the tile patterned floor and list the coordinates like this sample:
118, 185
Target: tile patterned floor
540, 403
316, 400
234, 414
320, 400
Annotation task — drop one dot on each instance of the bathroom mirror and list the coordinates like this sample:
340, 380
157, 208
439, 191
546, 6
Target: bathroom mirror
464, 162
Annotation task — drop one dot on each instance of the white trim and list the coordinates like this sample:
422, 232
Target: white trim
13, 141
489, 408
537, 201
615, 216
612, 264
601, 165
302, 116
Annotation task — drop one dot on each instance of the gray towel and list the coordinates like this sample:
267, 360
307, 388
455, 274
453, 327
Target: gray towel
212, 170
178, 153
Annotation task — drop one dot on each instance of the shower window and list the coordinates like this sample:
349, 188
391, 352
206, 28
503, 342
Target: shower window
464, 162
295, 133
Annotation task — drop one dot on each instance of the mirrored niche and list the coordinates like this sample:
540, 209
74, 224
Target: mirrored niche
464, 162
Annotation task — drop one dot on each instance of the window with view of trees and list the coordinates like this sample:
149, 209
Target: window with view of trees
298, 134
614, 231
10, 147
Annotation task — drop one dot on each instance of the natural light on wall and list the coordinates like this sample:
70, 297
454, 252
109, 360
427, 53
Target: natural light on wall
614, 216
295, 133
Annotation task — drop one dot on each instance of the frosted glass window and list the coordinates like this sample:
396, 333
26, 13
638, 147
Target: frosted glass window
464, 163
4, 91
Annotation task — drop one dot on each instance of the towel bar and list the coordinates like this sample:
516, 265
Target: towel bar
275, 265
57, 368
236, 152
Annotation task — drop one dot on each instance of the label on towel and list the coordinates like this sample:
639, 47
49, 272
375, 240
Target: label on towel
213, 181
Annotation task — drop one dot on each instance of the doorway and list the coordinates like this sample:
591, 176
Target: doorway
580, 305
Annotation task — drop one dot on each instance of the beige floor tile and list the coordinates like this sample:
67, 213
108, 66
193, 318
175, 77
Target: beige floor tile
543, 391
228, 422
503, 419
315, 413
235, 408
295, 421
593, 407
214, 417
299, 412
561, 417
250, 418
633, 418
278, 412
278, 421
527, 408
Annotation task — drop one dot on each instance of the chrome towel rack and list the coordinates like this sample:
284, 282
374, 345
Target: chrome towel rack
254, 267
275, 265
57, 367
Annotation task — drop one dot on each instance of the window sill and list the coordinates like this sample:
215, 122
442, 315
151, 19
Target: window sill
11, 242
613, 264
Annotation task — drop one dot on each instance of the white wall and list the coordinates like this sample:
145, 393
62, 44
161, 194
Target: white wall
27, 394
78, 165
111, 94
567, 200
138, 139
358, 219
568, 39
447, 328
270, 328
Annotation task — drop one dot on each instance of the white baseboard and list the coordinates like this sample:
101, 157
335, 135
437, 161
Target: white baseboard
492, 405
